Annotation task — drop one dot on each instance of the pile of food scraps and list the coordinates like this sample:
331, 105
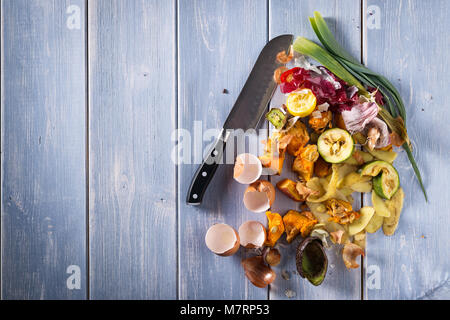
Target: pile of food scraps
341, 122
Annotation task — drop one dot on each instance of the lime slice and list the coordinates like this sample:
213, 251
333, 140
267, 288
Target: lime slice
335, 145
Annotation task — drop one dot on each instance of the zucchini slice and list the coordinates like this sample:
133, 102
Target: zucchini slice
386, 180
335, 145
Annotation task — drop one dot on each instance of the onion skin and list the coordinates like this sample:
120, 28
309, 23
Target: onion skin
259, 274
336, 236
349, 254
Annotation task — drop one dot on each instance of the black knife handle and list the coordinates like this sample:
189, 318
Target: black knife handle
206, 170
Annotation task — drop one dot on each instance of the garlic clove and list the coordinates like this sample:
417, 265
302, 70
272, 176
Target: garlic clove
252, 234
247, 168
259, 274
222, 239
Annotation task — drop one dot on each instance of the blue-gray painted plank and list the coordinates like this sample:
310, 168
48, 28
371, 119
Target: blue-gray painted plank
132, 178
408, 42
43, 149
343, 17
219, 42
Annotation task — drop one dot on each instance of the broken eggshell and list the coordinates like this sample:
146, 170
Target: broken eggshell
252, 234
311, 260
259, 274
247, 168
222, 239
259, 196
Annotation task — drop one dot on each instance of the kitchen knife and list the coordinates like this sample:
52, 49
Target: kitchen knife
248, 109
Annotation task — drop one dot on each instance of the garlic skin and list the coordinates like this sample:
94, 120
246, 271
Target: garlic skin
373, 134
259, 274
349, 254
323, 107
336, 236
377, 134
321, 234
359, 116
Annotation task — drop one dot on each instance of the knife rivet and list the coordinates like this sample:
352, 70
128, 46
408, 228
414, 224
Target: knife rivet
204, 174
215, 152
195, 196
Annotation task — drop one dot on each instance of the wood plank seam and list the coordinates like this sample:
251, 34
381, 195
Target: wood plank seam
177, 195
86, 21
1, 144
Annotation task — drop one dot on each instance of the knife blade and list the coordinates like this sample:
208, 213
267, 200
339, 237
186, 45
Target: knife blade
246, 113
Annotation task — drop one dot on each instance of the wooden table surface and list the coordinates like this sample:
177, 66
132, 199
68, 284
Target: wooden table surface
92, 205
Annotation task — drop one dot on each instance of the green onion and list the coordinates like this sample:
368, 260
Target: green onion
309, 48
327, 39
342, 56
335, 58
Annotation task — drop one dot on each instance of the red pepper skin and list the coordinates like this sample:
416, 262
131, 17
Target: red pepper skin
287, 73
293, 79
323, 89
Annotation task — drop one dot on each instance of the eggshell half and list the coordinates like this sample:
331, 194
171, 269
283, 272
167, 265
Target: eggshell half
247, 168
222, 239
259, 196
252, 234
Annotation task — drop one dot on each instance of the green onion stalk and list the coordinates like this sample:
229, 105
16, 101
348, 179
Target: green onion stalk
336, 59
